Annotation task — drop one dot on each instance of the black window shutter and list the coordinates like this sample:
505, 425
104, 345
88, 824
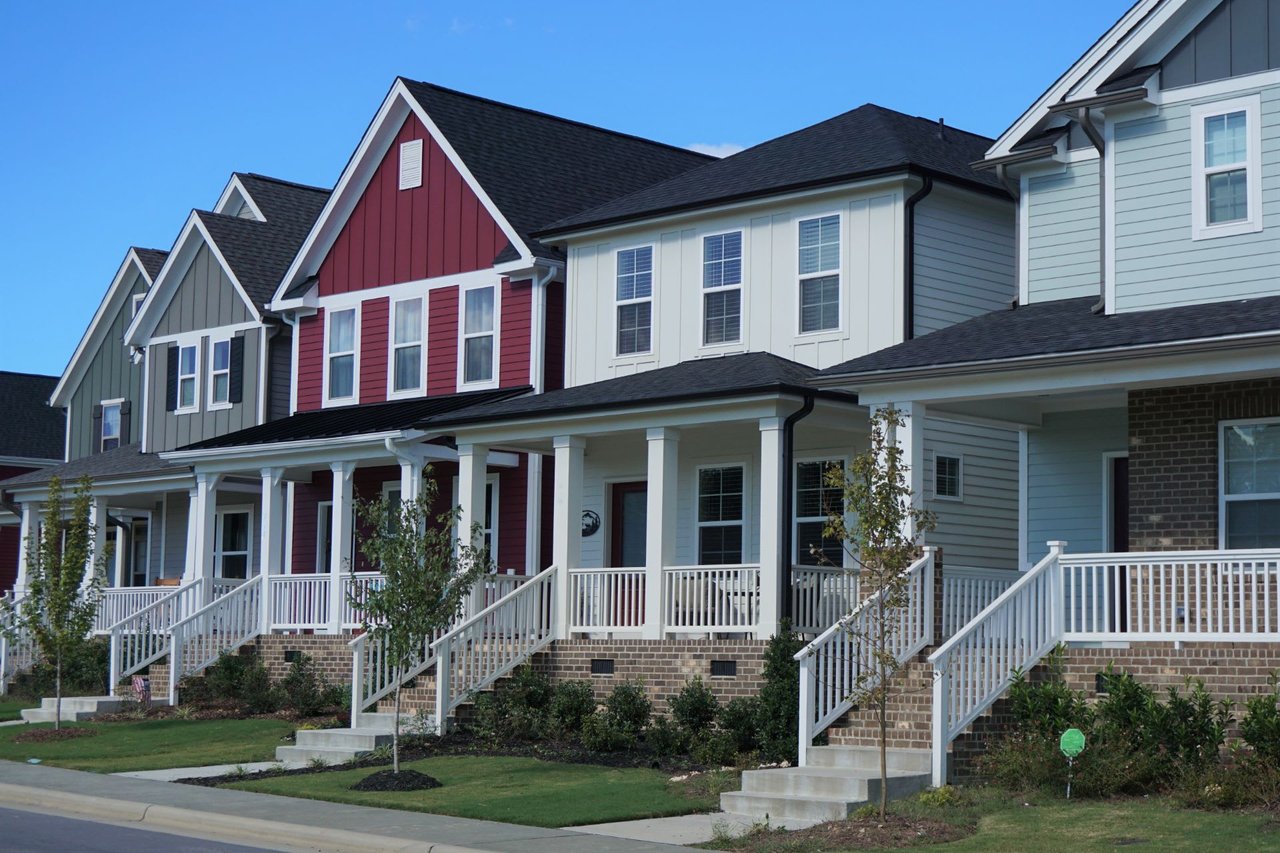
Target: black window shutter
171, 390
97, 428
126, 415
236, 380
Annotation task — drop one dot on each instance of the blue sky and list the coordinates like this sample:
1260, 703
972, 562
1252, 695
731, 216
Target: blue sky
118, 118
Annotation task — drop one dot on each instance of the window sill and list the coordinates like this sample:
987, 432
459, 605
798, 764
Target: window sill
219, 407
1227, 229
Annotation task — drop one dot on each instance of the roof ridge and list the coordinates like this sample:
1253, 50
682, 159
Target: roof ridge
540, 113
25, 373
284, 182
148, 249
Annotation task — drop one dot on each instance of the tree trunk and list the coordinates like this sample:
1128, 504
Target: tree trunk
57, 690
395, 728
882, 707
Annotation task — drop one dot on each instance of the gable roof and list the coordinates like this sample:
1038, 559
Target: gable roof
33, 429
867, 141
146, 261
698, 379
1062, 327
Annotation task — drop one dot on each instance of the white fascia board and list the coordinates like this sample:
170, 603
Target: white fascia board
1107, 54
254, 456
111, 302
175, 481
236, 185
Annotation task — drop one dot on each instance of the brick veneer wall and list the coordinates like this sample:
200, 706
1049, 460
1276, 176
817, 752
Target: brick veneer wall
329, 652
1173, 458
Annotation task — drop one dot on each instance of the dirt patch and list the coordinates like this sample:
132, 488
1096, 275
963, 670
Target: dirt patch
852, 834
389, 780
50, 735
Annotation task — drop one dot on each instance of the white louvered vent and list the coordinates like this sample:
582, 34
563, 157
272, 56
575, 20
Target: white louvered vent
411, 164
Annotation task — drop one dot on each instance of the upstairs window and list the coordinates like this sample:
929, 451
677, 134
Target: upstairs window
720, 515
1226, 181
220, 374
477, 335
188, 368
722, 288
111, 425
341, 358
1249, 499
815, 500
820, 274
406, 346
635, 300
138, 299
411, 164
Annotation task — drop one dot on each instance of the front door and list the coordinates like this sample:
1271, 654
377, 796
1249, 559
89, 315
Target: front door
627, 524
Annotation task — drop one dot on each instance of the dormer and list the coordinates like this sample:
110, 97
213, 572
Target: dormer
236, 201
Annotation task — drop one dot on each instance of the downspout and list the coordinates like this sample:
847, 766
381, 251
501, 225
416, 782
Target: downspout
1085, 120
909, 259
538, 330
292, 321
788, 474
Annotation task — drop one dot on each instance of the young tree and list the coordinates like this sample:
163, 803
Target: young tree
60, 604
426, 578
879, 527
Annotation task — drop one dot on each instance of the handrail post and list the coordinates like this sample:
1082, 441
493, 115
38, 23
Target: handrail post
264, 622
808, 696
175, 658
941, 723
1057, 592
929, 593
4, 664
113, 673
357, 680
444, 670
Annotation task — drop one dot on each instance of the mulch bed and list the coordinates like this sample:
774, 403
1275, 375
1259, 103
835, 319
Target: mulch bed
48, 735
858, 834
389, 780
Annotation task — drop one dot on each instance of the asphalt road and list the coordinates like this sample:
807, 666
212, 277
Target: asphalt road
38, 832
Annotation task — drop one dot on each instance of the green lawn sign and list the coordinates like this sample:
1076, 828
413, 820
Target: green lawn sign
1072, 744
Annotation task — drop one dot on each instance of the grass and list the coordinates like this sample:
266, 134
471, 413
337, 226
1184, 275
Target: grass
513, 790
9, 708
153, 744
1041, 824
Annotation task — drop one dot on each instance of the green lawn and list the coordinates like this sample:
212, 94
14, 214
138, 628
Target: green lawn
9, 707
514, 790
153, 744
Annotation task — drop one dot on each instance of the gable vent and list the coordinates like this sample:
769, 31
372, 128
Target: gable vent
411, 164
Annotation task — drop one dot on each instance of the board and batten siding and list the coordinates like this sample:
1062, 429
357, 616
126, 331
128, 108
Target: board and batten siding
1065, 477
174, 519
1157, 263
205, 299
1063, 233
871, 308
111, 375
169, 430
981, 529
965, 261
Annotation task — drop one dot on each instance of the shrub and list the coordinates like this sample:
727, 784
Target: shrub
1252, 782
239, 679
487, 722
666, 739
738, 719
571, 703
1048, 707
601, 733
695, 707
528, 688
780, 697
305, 691
1261, 725
628, 708
84, 673
713, 749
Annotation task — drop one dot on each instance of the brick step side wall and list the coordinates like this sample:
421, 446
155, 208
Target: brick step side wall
910, 713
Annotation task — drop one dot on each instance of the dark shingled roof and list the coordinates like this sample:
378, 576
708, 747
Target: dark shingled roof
127, 461
152, 260
260, 252
1065, 326
867, 141
699, 379
353, 420
32, 430
539, 168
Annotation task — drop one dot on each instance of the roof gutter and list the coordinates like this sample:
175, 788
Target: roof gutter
909, 259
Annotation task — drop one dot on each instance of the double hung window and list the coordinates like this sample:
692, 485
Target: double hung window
720, 515
722, 288
220, 374
110, 425
341, 356
819, 265
815, 500
635, 300
948, 472
406, 346
477, 334
1250, 485
188, 374
1226, 181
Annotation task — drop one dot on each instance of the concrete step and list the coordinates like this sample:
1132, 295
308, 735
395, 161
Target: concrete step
362, 739
305, 754
386, 720
779, 807
868, 758
78, 708
828, 782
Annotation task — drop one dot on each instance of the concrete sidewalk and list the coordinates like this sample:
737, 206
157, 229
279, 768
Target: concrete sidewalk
286, 821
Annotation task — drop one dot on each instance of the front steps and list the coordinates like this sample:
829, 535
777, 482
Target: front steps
79, 708
837, 781
338, 746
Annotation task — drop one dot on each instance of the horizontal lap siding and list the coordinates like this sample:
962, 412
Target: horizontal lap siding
442, 341
306, 497
373, 350
513, 506
964, 260
1063, 234
394, 235
514, 342
310, 361
981, 530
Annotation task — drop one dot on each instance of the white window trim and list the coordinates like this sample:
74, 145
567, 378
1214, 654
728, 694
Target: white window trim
464, 336
745, 523
136, 303
358, 308
846, 561
392, 346
322, 553
1251, 106
1223, 497
103, 437
220, 513
652, 299
213, 405
490, 480
958, 497
741, 287
198, 345
838, 272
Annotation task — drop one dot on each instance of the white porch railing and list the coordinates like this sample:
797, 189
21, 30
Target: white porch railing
117, 604
221, 626
298, 602
142, 637
839, 664
501, 584
606, 599
820, 595
17, 655
967, 591
374, 675
707, 599
493, 642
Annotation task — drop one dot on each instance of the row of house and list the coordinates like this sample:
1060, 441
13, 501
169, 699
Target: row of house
630, 365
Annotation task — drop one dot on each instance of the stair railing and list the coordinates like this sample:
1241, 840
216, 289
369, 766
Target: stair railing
839, 663
15, 656
142, 637
219, 627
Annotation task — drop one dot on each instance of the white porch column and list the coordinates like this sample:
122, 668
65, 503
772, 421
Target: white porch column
410, 479
202, 517
189, 566
473, 467
774, 574
660, 522
910, 438
533, 515
340, 556
566, 537
29, 523
269, 561
97, 540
